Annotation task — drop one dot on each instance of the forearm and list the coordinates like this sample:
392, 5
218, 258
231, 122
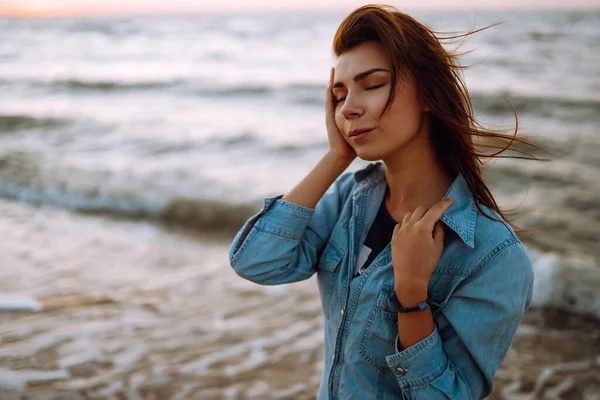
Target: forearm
414, 327
309, 190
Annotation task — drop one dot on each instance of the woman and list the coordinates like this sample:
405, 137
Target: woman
423, 282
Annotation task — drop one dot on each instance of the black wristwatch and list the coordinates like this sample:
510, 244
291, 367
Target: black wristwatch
419, 307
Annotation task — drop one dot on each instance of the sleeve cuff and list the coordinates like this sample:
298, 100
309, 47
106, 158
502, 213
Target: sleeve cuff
282, 218
419, 364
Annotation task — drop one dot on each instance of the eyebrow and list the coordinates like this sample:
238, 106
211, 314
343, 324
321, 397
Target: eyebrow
360, 76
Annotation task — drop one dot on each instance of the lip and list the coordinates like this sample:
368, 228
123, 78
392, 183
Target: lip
359, 132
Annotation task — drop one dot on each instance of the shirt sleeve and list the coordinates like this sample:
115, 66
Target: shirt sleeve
483, 315
283, 241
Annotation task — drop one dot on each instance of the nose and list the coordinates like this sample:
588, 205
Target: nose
351, 108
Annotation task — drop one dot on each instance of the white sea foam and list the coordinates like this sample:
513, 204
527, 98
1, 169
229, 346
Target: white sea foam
19, 303
570, 282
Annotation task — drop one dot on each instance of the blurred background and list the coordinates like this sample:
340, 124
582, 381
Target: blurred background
136, 137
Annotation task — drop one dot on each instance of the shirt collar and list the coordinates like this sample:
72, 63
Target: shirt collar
461, 217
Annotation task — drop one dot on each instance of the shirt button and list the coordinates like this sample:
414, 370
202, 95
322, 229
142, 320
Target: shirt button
342, 312
401, 371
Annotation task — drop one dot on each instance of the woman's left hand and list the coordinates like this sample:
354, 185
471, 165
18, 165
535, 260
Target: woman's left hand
417, 245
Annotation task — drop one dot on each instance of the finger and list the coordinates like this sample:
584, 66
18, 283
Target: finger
418, 213
438, 235
435, 213
396, 229
406, 218
329, 93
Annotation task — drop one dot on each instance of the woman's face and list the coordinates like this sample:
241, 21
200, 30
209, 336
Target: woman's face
361, 87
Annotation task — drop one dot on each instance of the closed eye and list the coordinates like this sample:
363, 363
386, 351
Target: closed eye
340, 99
375, 87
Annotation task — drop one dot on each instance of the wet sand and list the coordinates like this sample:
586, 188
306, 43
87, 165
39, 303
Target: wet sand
268, 346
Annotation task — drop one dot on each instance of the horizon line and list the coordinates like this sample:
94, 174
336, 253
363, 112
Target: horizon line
24, 13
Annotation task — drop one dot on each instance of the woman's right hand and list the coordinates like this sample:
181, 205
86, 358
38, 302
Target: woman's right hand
337, 144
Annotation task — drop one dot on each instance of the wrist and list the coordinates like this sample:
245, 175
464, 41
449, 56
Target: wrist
341, 160
411, 295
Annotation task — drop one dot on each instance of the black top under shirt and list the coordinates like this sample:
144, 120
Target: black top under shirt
379, 236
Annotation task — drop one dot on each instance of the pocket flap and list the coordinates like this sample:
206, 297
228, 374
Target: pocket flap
387, 300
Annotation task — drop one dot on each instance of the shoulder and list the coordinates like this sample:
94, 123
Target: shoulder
494, 243
497, 245
345, 184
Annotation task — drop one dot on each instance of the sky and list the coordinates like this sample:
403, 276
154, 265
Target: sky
42, 8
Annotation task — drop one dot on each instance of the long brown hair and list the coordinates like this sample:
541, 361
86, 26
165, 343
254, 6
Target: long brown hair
416, 51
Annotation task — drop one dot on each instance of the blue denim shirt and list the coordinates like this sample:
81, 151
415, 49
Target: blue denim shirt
477, 294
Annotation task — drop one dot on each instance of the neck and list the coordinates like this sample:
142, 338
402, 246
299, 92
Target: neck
415, 177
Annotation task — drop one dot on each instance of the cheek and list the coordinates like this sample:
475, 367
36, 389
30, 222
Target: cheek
376, 105
406, 114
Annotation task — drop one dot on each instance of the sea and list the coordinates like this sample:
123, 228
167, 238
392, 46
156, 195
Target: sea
132, 148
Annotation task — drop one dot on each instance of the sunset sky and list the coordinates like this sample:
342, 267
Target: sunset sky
40, 8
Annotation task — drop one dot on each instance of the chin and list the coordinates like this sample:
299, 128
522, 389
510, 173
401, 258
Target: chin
367, 155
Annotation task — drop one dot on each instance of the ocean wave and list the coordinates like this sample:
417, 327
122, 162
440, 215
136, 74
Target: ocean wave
76, 84
188, 86
191, 87
295, 92
232, 91
548, 37
207, 215
17, 122
91, 85
197, 213
22, 179
566, 281
496, 104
